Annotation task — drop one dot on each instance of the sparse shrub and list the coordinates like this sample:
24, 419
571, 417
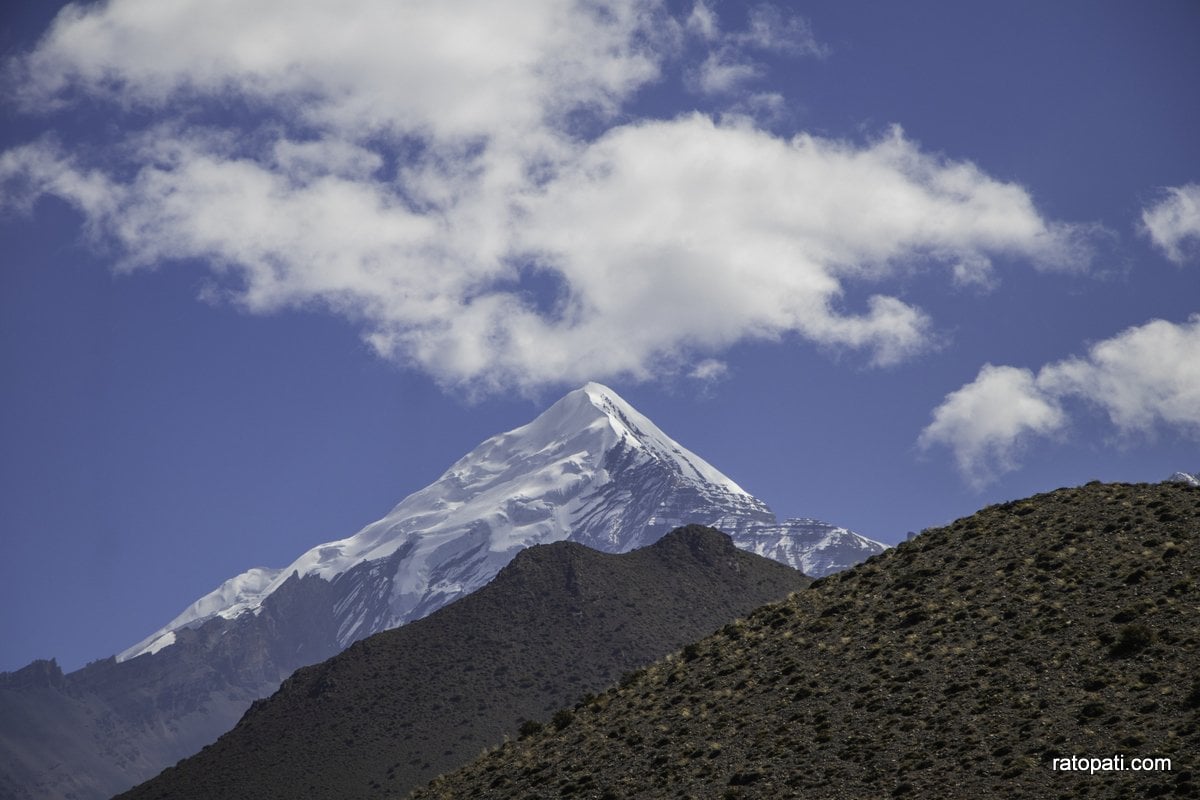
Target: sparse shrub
528, 728
1131, 640
1193, 698
1125, 615
745, 778
1135, 577
562, 718
1180, 588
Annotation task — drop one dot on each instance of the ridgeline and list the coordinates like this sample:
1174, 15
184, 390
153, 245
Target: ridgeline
395, 709
962, 664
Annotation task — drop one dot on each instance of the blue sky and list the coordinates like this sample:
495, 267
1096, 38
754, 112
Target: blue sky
880, 263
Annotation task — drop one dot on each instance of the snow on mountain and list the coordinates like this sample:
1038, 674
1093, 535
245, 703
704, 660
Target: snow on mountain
1191, 479
815, 548
231, 598
590, 468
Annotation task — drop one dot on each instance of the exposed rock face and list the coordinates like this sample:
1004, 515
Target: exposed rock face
963, 663
394, 710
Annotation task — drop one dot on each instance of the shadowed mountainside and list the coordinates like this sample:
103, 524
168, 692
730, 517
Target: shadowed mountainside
94, 731
590, 468
959, 664
394, 710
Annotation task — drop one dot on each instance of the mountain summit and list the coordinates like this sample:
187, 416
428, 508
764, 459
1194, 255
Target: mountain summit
590, 469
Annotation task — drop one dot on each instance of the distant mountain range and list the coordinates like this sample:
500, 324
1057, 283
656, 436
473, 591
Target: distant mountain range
394, 710
590, 469
978, 660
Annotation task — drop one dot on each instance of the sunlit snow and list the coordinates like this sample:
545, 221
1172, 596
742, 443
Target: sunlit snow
545, 481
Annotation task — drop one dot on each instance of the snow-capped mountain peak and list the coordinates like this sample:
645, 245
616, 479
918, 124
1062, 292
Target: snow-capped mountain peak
590, 468
641, 432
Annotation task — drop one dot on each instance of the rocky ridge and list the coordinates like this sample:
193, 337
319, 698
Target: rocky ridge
397, 708
962, 663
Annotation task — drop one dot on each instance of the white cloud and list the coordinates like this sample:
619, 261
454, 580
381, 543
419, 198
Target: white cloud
987, 421
1143, 379
710, 370
687, 235
31, 171
1173, 223
774, 30
453, 68
703, 22
725, 71
430, 178
730, 64
768, 28
763, 108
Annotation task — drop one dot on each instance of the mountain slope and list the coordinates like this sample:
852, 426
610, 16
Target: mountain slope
98, 730
396, 709
590, 469
959, 664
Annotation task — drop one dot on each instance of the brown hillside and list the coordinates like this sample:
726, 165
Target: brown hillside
396, 709
958, 665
